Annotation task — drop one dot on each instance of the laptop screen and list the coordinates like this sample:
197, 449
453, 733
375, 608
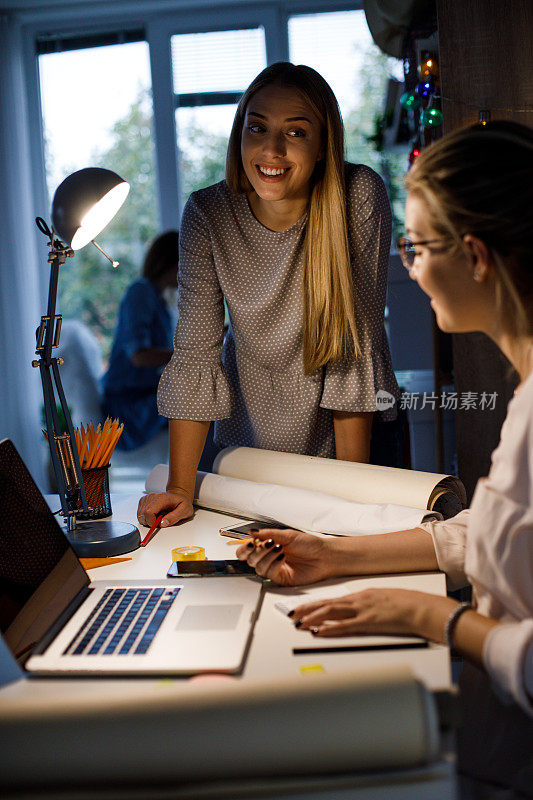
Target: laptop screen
39, 572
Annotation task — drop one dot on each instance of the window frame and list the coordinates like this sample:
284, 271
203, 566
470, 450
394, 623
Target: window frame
159, 25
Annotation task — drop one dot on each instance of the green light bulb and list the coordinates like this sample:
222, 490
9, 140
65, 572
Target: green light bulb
410, 100
431, 118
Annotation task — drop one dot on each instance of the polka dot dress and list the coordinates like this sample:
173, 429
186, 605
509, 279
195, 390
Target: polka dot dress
252, 382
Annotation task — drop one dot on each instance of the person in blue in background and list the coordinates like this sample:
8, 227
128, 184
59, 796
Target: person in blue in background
142, 346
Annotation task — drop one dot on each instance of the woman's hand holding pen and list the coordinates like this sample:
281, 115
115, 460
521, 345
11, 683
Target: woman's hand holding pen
288, 557
176, 502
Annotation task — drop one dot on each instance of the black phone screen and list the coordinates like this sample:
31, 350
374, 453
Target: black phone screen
256, 525
182, 569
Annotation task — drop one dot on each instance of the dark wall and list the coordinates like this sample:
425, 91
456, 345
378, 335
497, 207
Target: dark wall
486, 62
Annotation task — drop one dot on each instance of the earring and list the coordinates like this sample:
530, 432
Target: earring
477, 275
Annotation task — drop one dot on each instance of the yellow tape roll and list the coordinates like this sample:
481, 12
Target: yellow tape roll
189, 553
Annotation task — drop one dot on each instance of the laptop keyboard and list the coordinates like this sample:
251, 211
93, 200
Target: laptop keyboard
123, 621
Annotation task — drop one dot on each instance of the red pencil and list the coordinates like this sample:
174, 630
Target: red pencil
153, 530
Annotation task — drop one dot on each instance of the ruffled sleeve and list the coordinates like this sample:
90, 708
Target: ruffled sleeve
194, 384
352, 385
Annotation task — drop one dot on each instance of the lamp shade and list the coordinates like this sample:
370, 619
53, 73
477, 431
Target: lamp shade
85, 202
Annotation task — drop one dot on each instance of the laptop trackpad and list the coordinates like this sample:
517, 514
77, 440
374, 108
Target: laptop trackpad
210, 618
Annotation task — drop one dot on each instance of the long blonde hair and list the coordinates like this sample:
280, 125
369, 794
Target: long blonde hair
478, 180
329, 327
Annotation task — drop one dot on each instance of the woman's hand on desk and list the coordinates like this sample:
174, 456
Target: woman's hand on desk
177, 504
288, 557
401, 612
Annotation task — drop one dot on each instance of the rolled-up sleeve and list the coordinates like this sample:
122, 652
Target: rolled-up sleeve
352, 384
508, 659
449, 540
194, 384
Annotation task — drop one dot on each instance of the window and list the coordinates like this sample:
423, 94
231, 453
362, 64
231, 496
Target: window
97, 111
98, 108
210, 72
340, 47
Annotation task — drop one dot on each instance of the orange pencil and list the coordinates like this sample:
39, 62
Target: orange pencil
103, 444
85, 444
94, 445
115, 440
90, 444
110, 445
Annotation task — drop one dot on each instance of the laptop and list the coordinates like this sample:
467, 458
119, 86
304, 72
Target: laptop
56, 621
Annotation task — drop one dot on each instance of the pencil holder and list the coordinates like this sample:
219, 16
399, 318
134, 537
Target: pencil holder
96, 482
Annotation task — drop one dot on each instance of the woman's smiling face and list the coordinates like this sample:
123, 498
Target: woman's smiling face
447, 275
280, 144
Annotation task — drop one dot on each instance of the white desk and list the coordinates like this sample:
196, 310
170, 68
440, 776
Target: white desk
270, 655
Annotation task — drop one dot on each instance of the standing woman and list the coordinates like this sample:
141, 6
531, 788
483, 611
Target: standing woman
296, 242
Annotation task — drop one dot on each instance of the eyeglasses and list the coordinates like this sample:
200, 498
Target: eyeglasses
407, 250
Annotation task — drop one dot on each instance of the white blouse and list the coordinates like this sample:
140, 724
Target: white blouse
490, 546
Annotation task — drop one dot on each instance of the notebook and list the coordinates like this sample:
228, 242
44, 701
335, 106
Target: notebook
56, 621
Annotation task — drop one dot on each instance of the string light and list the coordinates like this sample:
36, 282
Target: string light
431, 117
409, 100
484, 117
415, 152
425, 88
423, 102
428, 67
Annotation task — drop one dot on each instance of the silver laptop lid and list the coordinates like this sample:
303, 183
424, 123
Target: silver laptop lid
40, 575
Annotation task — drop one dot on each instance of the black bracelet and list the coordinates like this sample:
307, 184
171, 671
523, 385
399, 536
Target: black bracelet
452, 620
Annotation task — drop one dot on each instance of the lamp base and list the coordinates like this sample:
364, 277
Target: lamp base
103, 538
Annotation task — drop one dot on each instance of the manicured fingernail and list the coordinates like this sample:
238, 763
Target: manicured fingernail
298, 623
269, 543
314, 631
280, 557
290, 614
277, 548
164, 523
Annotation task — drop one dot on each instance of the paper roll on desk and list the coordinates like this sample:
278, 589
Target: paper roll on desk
176, 734
350, 480
318, 494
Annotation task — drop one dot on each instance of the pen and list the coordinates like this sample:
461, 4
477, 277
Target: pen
153, 530
239, 541
284, 609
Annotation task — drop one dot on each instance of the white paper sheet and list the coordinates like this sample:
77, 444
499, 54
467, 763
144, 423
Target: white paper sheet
286, 599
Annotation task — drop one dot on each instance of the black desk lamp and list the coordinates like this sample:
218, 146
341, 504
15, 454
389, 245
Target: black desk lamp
83, 205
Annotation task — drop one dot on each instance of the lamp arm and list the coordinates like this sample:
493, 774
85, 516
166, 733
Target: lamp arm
63, 449
71, 441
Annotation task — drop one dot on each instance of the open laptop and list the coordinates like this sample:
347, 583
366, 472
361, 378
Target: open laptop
57, 622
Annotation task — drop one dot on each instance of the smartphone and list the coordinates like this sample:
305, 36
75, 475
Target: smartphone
206, 569
243, 531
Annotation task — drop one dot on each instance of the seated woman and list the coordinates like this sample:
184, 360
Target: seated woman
469, 223
142, 346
